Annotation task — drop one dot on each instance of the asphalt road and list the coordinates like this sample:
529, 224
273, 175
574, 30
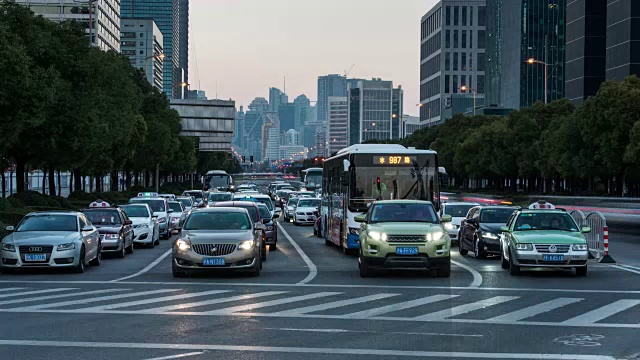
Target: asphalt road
310, 302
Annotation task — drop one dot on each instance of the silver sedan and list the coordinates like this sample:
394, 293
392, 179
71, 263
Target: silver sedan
51, 240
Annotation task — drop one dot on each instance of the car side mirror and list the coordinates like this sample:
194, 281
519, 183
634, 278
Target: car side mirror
87, 228
361, 218
128, 222
446, 218
261, 227
10, 228
586, 229
505, 229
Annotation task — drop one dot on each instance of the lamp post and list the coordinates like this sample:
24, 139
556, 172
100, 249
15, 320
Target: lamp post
184, 84
146, 63
465, 89
429, 111
532, 61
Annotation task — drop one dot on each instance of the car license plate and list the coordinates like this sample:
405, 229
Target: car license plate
552, 257
35, 257
213, 262
407, 251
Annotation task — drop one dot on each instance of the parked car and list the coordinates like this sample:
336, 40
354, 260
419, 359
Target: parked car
271, 233
115, 228
306, 211
458, 211
254, 214
480, 230
160, 209
146, 229
56, 239
218, 238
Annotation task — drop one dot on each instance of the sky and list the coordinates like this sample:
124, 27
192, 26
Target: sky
244, 47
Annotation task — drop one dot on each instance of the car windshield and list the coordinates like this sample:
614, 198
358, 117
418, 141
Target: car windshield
135, 211
218, 221
404, 213
496, 216
253, 212
48, 223
308, 203
175, 206
155, 205
103, 217
545, 221
186, 202
264, 211
292, 201
220, 197
457, 210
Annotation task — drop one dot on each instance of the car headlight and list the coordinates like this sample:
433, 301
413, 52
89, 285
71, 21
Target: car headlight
436, 235
489, 235
183, 245
526, 247
580, 247
64, 247
449, 226
377, 235
246, 245
9, 247
111, 236
354, 231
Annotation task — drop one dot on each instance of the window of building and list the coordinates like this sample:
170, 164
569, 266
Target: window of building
480, 84
463, 61
447, 61
470, 15
481, 39
455, 61
446, 84
463, 80
141, 43
464, 39
448, 15
464, 16
470, 39
471, 82
447, 39
142, 34
456, 15
470, 62
481, 62
481, 15
455, 84
455, 39
141, 52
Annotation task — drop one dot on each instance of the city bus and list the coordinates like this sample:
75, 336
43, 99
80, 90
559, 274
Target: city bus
312, 178
217, 180
361, 174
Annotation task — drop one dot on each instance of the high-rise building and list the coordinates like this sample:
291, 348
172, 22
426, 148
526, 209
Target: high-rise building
144, 52
320, 148
328, 86
452, 53
183, 61
277, 98
370, 111
518, 30
166, 13
623, 39
267, 127
273, 145
291, 137
287, 114
397, 107
259, 104
211, 121
102, 17
302, 111
238, 138
337, 126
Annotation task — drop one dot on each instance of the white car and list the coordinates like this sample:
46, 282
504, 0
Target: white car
458, 211
290, 209
177, 216
189, 202
170, 197
160, 210
306, 211
146, 229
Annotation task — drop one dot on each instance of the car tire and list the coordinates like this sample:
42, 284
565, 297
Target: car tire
514, 269
273, 247
461, 248
581, 271
79, 269
478, 253
129, 250
504, 263
120, 254
177, 273
365, 271
256, 269
98, 259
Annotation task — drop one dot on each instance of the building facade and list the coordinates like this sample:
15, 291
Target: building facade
276, 99
623, 40
329, 86
452, 55
370, 111
183, 61
287, 114
102, 18
166, 14
212, 121
302, 106
411, 124
518, 31
144, 52
292, 152
337, 128
291, 137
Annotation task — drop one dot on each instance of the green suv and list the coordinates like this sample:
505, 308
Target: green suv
543, 238
404, 234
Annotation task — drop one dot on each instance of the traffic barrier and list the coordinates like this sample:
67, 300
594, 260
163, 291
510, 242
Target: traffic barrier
581, 220
598, 238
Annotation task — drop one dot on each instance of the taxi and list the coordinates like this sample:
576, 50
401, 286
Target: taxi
547, 238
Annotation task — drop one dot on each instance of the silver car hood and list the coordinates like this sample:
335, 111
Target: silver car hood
216, 236
140, 220
42, 237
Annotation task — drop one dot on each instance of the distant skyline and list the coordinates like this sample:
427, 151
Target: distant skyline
243, 47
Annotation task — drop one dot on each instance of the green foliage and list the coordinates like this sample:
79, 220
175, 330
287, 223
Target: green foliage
32, 198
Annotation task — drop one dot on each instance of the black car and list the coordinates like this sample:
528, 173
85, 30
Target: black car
480, 230
114, 227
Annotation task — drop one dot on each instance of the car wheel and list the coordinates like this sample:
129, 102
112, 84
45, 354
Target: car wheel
79, 269
461, 248
130, 248
121, 253
581, 271
478, 253
176, 270
513, 269
504, 262
256, 269
273, 247
365, 271
157, 241
98, 259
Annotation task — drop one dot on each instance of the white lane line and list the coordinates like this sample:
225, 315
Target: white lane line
313, 270
338, 331
239, 308
90, 300
398, 306
49, 297
629, 269
10, 289
466, 308
477, 278
178, 356
603, 312
151, 301
335, 304
4, 296
305, 350
630, 266
146, 269
160, 310
534, 310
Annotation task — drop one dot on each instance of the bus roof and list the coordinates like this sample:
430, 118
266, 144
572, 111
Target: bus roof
380, 149
217, 172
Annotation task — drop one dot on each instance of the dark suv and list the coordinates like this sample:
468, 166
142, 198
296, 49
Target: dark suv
480, 230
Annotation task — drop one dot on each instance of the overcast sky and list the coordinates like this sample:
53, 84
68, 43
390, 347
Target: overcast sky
247, 46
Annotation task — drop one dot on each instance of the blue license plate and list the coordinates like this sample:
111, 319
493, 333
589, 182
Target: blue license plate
213, 262
407, 251
35, 257
552, 257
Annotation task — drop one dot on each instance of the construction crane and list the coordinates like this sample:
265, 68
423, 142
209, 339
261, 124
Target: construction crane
347, 72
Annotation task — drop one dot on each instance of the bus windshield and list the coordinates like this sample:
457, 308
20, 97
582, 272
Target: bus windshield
217, 181
313, 179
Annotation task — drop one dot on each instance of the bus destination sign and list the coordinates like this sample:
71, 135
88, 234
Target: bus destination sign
393, 160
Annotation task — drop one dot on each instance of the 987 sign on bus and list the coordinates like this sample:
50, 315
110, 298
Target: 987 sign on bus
393, 160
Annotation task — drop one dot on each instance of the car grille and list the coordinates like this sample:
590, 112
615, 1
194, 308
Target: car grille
220, 249
35, 249
406, 238
560, 249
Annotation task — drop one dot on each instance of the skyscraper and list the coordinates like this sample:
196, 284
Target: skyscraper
287, 114
623, 39
143, 52
329, 85
303, 110
184, 40
166, 13
277, 98
370, 111
337, 128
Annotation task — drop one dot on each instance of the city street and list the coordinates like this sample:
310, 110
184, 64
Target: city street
310, 302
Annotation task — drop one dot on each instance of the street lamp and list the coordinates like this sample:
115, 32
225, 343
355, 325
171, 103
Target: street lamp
428, 109
465, 89
532, 61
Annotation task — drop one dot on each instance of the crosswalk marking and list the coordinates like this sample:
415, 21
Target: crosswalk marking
34, 292
398, 306
534, 310
159, 310
334, 304
466, 308
235, 309
10, 289
58, 296
90, 300
603, 312
153, 300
